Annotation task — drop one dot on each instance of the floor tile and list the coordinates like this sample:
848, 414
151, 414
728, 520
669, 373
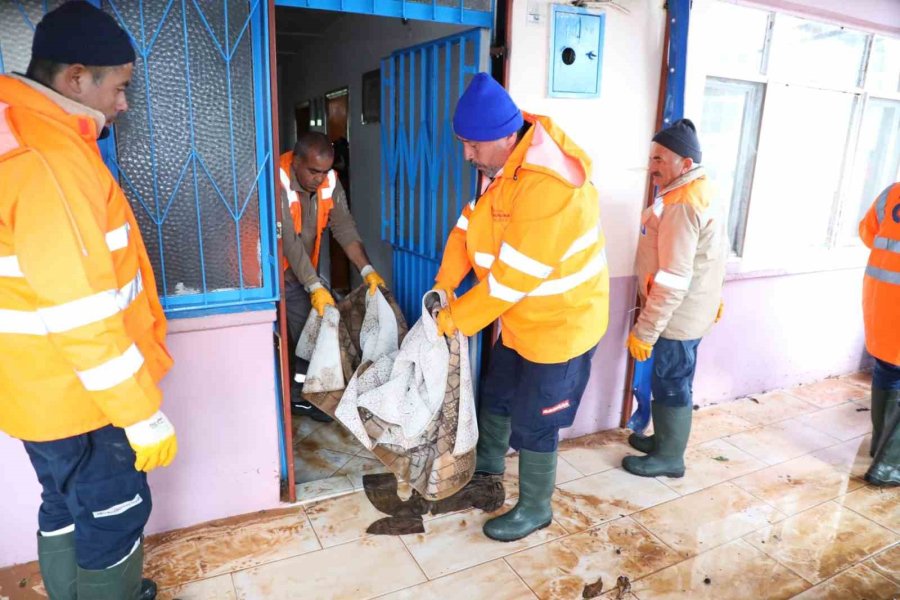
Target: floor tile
22, 581
583, 503
303, 426
219, 547
333, 437
879, 504
845, 422
491, 581
564, 471
782, 441
359, 466
598, 452
710, 463
455, 542
829, 392
798, 484
822, 541
763, 409
562, 568
851, 456
364, 568
322, 489
856, 582
217, 588
712, 423
340, 520
318, 464
696, 523
887, 563
860, 378
735, 571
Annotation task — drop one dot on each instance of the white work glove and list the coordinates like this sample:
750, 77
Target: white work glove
153, 441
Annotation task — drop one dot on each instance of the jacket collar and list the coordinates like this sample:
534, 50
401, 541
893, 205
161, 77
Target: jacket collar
696, 173
67, 105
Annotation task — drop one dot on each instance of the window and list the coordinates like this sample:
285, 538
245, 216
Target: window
800, 124
192, 153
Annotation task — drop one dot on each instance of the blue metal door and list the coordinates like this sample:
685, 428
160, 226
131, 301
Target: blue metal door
424, 178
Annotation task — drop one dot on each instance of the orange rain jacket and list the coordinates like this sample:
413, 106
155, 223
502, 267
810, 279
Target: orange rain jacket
535, 242
880, 231
82, 333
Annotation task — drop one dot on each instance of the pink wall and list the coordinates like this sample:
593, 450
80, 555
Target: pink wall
777, 332
221, 398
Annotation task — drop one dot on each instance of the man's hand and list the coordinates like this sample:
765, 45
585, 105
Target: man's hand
320, 298
445, 325
446, 288
153, 441
372, 279
639, 349
721, 311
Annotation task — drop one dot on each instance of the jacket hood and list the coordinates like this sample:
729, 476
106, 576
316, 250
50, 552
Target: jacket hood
546, 148
19, 91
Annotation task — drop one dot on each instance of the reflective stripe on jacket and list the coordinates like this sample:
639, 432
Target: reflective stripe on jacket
82, 332
537, 248
325, 204
880, 231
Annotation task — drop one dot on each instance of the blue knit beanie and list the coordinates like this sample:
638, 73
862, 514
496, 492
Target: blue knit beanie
485, 112
78, 32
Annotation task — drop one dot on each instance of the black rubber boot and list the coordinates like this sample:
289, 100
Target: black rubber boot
121, 582
885, 468
56, 555
672, 426
879, 399
642, 443
537, 477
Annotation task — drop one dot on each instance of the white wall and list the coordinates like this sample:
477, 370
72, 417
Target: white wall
351, 46
871, 15
615, 129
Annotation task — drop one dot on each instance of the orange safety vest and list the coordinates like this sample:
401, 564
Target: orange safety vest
537, 248
82, 332
325, 195
880, 231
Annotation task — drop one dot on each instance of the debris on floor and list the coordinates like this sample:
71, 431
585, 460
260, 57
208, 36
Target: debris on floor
592, 590
397, 526
623, 587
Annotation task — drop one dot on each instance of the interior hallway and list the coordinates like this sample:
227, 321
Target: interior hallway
773, 505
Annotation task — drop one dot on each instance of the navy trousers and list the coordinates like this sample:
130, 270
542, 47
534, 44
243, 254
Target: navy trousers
885, 376
674, 363
89, 480
540, 398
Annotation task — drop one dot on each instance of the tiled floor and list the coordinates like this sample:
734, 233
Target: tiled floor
773, 505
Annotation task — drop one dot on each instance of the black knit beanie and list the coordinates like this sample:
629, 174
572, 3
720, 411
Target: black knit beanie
681, 138
78, 32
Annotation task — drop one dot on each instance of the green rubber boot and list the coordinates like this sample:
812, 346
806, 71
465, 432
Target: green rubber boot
537, 476
672, 426
885, 468
493, 443
642, 443
56, 555
121, 582
879, 400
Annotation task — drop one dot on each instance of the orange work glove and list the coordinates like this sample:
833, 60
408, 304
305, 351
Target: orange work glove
153, 441
320, 298
721, 311
639, 349
445, 325
372, 279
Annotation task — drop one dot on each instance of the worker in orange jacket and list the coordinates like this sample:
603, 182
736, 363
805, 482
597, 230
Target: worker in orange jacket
313, 199
535, 243
880, 231
82, 333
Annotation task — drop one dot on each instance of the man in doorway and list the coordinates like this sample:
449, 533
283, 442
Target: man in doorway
682, 249
82, 332
314, 199
880, 231
535, 243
